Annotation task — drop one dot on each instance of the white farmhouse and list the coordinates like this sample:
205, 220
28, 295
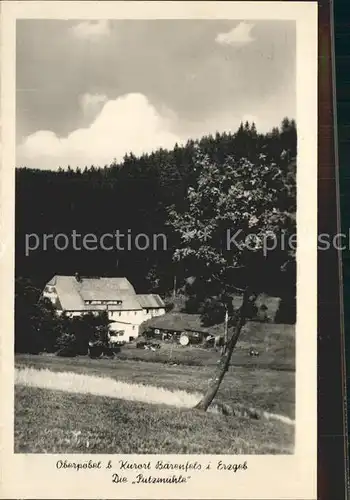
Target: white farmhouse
126, 310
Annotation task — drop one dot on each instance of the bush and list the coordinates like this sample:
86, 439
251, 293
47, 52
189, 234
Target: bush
192, 305
260, 314
263, 314
36, 324
212, 312
83, 330
95, 351
286, 312
66, 344
169, 306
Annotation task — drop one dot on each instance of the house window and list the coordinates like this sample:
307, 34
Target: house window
120, 314
133, 327
135, 312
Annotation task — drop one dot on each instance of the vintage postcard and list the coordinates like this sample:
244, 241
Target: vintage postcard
158, 250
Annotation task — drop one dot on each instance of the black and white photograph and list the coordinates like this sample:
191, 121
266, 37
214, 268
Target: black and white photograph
156, 267
156, 166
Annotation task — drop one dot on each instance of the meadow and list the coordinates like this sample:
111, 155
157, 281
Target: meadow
59, 422
82, 417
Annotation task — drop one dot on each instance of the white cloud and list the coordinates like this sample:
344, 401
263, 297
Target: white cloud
129, 123
92, 104
238, 36
91, 29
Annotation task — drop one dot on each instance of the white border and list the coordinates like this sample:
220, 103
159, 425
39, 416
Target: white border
267, 477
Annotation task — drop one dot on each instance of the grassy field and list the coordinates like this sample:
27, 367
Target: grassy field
58, 422
269, 390
46, 420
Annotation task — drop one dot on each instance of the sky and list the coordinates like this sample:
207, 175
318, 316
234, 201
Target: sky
88, 92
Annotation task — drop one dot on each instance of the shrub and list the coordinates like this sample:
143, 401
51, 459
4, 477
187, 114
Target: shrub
95, 351
67, 345
169, 306
286, 312
260, 314
212, 312
82, 330
192, 305
36, 324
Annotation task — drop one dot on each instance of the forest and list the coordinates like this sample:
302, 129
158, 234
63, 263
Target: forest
134, 195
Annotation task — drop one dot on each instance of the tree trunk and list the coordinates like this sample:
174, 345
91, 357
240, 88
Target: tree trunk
174, 288
224, 347
225, 358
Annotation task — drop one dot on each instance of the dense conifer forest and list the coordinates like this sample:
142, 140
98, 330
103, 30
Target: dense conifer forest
134, 197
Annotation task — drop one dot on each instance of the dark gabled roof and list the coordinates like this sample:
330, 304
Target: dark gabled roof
150, 301
180, 321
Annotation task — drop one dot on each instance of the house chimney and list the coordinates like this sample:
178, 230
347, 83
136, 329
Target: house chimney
77, 277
